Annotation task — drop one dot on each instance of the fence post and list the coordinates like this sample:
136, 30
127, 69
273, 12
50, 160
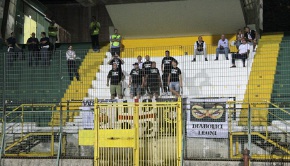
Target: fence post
249, 128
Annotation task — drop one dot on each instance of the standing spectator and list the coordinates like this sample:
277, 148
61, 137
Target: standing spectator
116, 60
44, 46
250, 36
175, 79
115, 40
115, 77
52, 34
239, 37
71, 63
136, 81
95, 29
33, 49
153, 81
165, 68
146, 65
13, 49
223, 48
199, 49
244, 50
139, 61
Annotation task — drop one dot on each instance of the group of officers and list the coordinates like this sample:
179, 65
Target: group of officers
145, 78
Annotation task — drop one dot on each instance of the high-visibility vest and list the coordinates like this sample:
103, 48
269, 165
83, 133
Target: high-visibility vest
115, 43
52, 31
95, 28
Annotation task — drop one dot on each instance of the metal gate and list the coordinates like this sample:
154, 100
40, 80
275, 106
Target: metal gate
133, 133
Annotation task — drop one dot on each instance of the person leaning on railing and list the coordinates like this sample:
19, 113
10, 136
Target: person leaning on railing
71, 63
244, 50
44, 46
33, 49
13, 49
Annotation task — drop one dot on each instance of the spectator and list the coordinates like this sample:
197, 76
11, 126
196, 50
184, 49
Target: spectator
115, 77
136, 81
250, 36
139, 61
146, 65
116, 60
71, 63
95, 29
115, 40
165, 68
199, 49
33, 49
153, 81
13, 49
239, 37
52, 34
223, 48
44, 46
175, 79
244, 50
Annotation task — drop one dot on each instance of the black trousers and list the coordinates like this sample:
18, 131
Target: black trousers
165, 81
33, 57
239, 56
95, 42
72, 69
115, 51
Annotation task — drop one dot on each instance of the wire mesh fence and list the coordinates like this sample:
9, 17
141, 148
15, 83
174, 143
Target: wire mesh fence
225, 110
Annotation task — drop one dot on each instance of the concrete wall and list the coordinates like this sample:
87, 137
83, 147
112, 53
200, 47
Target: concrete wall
177, 18
76, 18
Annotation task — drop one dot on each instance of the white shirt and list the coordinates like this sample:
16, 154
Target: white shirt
70, 55
140, 65
243, 48
224, 43
195, 45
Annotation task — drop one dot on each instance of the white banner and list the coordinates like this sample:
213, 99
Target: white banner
206, 118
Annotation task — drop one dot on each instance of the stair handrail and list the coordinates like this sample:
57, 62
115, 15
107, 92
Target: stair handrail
276, 106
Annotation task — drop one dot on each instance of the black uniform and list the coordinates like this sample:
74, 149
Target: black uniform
153, 80
166, 61
33, 51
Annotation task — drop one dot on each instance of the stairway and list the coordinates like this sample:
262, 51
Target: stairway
281, 88
261, 81
77, 90
24, 144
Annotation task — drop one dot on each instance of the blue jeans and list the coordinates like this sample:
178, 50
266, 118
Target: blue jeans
222, 51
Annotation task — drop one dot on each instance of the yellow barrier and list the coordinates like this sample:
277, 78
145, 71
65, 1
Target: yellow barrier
136, 134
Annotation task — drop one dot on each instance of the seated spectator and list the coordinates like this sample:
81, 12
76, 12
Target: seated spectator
244, 50
223, 48
136, 81
153, 81
250, 36
239, 37
199, 49
175, 79
115, 78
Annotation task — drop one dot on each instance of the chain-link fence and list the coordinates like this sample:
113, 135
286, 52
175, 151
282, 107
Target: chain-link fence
225, 110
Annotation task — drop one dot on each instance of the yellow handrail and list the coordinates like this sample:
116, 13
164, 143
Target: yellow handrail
278, 107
